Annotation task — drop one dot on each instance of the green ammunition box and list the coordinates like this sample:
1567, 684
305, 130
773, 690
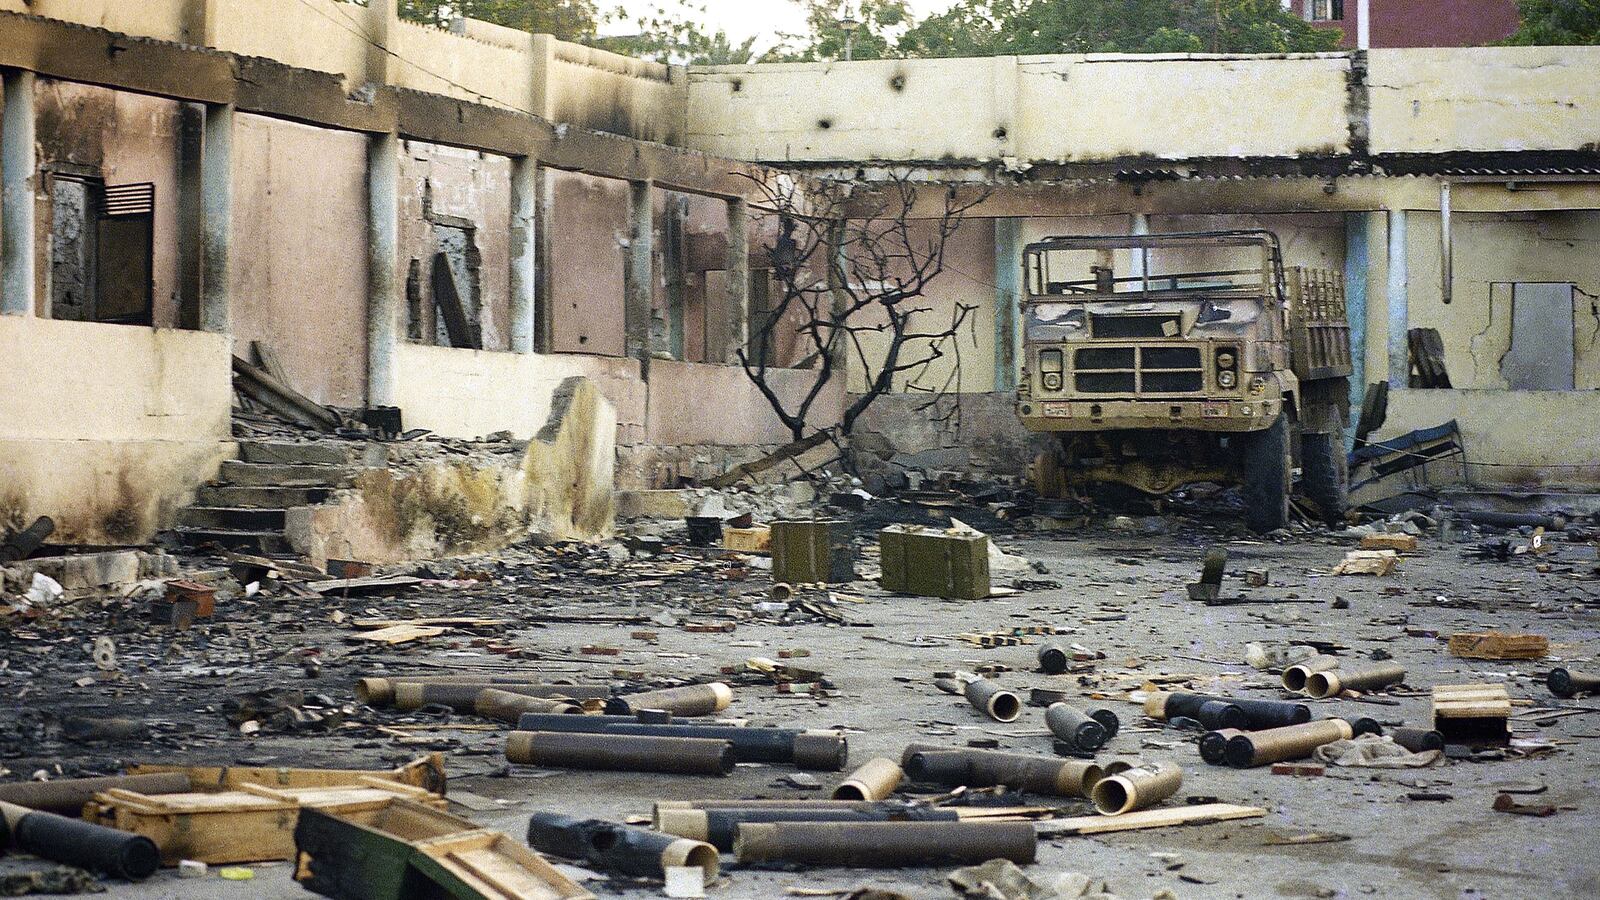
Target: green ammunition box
812, 551
934, 563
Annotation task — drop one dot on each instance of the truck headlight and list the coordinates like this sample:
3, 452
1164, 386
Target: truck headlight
1051, 366
1226, 380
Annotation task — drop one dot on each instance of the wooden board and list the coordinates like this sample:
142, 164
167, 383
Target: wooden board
376, 584
399, 634
1368, 562
493, 867
1497, 645
442, 621
1400, 543
426, 772
1460, 701
1150, 818
252, 824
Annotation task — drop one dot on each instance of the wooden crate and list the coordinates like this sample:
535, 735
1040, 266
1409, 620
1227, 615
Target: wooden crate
1472, 714
934, 563
1497, 645
252, 824
748, 540
1400, 543
411, 851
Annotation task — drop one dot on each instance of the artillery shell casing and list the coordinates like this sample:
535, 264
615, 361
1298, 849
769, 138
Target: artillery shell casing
380, 691
463, 696
1137, 788
988, 768
1074, 727
823, 751
689, 700
506, 706
620, 752
1262, 748
1567, 683
1294, 677
1259, 713
1365, 725
1107, 719
663, 807
1054, 659
79, 843
885, 844
720, 827
1215, 714
993, 700
1214, 745
66, 796
618, 848
875, 780
1332, 683
1417, 740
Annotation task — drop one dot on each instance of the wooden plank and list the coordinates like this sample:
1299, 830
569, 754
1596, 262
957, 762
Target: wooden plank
425, 773
445, 621
398, 634
1498, 645
1202, 814
1400, 543
369, 585
463, 330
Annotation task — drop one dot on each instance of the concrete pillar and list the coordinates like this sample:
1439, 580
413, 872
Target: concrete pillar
1357, 260
380, 14
1363, 24
1399, 308
524, 252
19, 167
1007, 302
1447, 256
640, 280
216, 217
543, 295
383, 266
191, 150
1137, 267
738, 280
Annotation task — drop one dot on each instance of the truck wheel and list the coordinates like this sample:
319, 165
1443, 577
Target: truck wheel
1266, 463
1324, 471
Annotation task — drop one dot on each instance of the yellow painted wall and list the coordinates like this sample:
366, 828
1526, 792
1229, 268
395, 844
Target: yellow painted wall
121, 424
161, 19
605, 91
1484, 98
1532, 438
428, 59
326, 35
471, 393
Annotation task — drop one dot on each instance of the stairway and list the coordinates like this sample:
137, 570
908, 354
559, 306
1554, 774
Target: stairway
245, 508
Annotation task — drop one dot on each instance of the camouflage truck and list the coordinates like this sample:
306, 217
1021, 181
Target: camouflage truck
1206, 361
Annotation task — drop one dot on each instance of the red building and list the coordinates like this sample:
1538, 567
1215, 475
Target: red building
1412, 23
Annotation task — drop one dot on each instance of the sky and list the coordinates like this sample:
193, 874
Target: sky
744, 18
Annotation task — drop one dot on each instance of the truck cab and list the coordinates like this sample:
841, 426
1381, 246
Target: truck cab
1165, 359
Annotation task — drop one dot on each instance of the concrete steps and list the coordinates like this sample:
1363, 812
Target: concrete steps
246, 507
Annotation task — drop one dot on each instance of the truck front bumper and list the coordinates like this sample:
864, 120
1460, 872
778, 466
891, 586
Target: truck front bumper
1252, 414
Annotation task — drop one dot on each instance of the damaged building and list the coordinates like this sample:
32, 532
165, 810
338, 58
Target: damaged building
386, 405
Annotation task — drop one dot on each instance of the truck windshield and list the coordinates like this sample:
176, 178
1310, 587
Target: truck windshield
1219, 266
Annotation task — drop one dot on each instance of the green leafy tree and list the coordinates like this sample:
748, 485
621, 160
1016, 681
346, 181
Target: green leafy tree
1558, 22
673, 36
1116, 26
879, 24
570, 20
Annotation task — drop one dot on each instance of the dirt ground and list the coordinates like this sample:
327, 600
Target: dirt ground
1117, 592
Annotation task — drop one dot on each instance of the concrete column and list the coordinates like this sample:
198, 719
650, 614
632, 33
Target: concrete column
1007, 302
738, 280
1447, 256
543, 294
19, 167
191, 151
640, 280
1399, 308
380, 13
524, 252
383, 266
1136, 266
1363, 24
1357, 259
216, 217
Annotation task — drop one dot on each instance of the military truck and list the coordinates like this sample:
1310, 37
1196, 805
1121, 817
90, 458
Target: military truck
1202, 359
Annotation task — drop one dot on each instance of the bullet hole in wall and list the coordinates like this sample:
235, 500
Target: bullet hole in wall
898, 83
824, 124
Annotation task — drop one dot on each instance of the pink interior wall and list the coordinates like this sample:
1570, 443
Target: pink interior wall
300, 253
127, 138
462, 184
589, 228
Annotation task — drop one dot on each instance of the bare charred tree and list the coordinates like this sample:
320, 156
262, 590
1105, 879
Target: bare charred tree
851, 264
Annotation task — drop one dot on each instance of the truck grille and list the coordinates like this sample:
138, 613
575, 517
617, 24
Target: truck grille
1138, 370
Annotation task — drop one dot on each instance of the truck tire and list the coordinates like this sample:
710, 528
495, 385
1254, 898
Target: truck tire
1266, 464
1324, 471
